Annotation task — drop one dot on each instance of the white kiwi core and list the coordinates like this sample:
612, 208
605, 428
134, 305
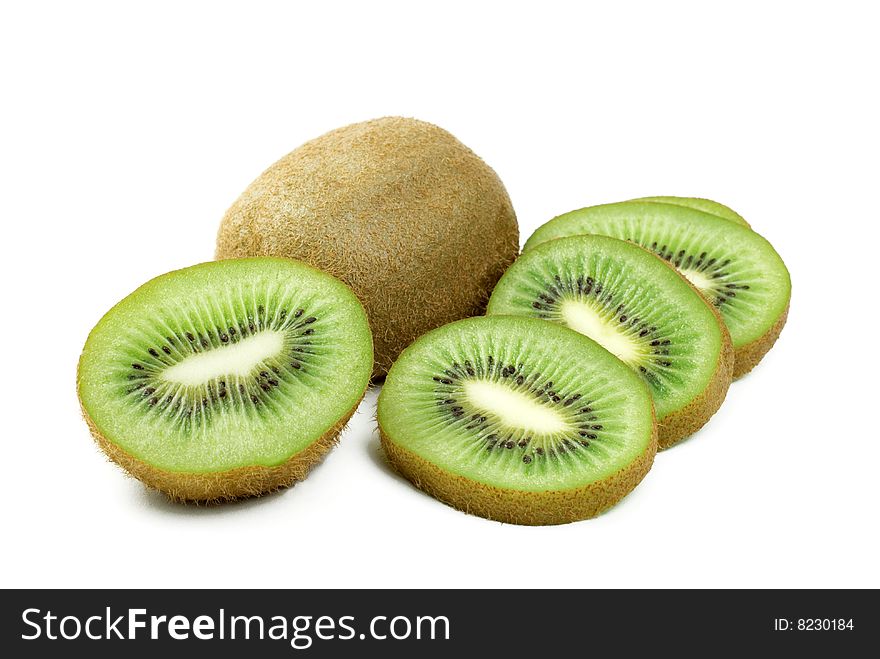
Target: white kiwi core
514, 408
582, 317
237, 359
698, 279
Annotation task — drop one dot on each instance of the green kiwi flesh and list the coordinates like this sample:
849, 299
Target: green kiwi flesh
697, 203
226, 379
639, 309
736, 269
517, 420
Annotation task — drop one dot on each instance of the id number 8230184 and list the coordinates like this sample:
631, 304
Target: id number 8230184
813, 624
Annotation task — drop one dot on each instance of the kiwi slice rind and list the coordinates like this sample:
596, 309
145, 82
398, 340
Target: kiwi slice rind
227, 379
517, 420
639, 309
736, 269
698, 203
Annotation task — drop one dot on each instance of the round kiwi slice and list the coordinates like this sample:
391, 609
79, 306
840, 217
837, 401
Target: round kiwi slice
697, 203
517, 420
226, 380
737, 270
640, 310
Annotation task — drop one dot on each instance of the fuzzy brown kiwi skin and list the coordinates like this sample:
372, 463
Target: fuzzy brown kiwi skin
516, 506
223, 486
409, 217
748, 356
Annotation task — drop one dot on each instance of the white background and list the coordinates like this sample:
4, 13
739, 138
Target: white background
127, 131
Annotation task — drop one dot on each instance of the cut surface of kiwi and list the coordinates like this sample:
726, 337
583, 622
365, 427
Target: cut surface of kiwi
697, 203
736, 269
226, 379
637, 308
517, 420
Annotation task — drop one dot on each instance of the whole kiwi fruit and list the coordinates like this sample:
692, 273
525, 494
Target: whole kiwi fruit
410, 218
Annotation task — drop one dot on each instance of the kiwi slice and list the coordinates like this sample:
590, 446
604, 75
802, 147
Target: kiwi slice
737, 270
228, 379
697, 203
636, 307
517, 420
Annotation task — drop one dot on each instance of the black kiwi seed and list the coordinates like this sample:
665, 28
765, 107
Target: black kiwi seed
527, 459
539, 451
299, 312
137, 367
296, 365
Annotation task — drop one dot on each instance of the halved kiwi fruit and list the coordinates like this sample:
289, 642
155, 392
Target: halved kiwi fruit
737, 270
697, 203
640, 310
517, 420
228, 379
